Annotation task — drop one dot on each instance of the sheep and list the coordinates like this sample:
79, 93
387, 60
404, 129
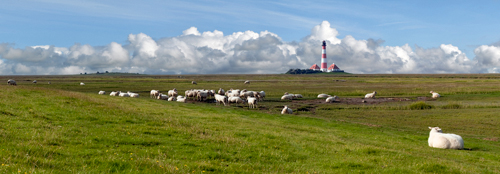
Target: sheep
202, 95
435, 94
298, 95
194, 83
183, 100
286, 97
234, 93
134, 95
246, 94
438, 139
371, 95
81, 83
162, 97
247, 82
172, 99
235, 100
172, 93
221, 99
221, 91
113, 93
102, 92
11, 82
154, 93
49, 82
190, 93
262, 94
124, 95
331, 99
323, 96
34, 81
286, 110
252, 102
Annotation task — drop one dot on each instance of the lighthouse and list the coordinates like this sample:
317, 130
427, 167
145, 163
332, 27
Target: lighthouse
323, 58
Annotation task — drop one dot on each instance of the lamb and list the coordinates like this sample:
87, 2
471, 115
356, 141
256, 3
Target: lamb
435, 94
438, 139
286, 97
371, 95
247, 82
194, 83
221, 99
252, 102
331, 99
11, 82
286, 110
102, 92
154, 93
323, 96
81, 83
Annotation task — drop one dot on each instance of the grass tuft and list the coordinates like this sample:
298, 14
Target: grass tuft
420, 106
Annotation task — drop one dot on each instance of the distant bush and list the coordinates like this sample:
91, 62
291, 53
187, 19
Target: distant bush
302, 71
420, 106
451, 106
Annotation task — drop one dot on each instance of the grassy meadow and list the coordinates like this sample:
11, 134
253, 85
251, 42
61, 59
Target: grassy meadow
63, 127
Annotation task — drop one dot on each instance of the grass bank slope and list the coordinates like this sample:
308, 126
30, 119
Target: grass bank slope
55, 131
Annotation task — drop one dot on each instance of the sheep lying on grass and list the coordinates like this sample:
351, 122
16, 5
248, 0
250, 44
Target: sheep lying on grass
371, 95
113, 93
435, 94
81, 83
323, 96
332, 99
287, 97
438, 139
102, 92
286, 110
247, 82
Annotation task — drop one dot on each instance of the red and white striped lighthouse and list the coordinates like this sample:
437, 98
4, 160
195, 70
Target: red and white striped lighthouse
323, 58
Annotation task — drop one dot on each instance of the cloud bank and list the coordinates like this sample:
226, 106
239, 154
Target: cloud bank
248, 52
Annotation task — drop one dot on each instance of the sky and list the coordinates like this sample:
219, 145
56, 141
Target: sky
47, 37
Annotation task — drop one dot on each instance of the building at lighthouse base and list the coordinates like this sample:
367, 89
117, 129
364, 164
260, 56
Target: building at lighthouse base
332, 68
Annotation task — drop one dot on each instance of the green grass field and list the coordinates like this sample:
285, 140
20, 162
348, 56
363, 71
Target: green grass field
67, 128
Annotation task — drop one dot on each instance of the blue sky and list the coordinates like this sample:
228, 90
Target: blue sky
425, 24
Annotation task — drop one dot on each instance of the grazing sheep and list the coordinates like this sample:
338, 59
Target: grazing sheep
247, 82
190, 93
252, 102
246, 94
11, 82
81, 83
202, 95
102, 92
371, 95
286, 110
298, 95
235, 100
49, 83
435, 94
331, 99
154, 93
287, 97
323, 96
34, 81
221, 99
438, 139
262, 94
194, 83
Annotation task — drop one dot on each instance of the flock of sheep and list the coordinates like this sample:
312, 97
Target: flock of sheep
437, 138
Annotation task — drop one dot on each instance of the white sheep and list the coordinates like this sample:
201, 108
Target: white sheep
162, 97
323, 96
247, 82
154, 93
371, 95
287, 97
134, 95
435, 94
102, 92
221, 91
262, 94
124, 94
113, 93
235, 100
172, 93
172, 99
183, 100
331, 99
438, 139
81, 83
286, 110
34, 81
11, 82
298, 95
221, 99
202, 95
252, 102
194, 83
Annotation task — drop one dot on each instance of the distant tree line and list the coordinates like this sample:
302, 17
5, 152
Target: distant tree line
302, 71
